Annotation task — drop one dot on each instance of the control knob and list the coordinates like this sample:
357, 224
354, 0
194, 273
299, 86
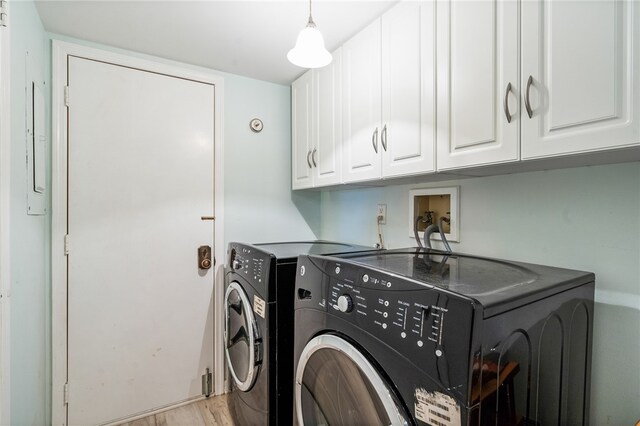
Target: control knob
345, 304
235, 264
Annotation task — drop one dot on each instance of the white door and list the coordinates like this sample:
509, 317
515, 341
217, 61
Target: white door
327, 123
477, 83
408, 89
361, 105
301, 142
140, 176
580, 76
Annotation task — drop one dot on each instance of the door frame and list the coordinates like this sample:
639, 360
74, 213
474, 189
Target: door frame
5, 226
60, 52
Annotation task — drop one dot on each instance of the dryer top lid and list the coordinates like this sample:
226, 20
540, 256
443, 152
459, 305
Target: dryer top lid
290, 250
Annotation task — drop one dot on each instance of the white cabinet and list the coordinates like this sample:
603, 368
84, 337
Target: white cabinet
408, 89
578, 89
301, 132
477, 80
317, 126
327, 123
456, 84
361, 80
388, 95
580, 76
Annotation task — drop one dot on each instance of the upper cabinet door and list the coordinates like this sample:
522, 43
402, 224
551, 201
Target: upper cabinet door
301, 132
407, 136
327, 131
580, 76
477, 83
361, 105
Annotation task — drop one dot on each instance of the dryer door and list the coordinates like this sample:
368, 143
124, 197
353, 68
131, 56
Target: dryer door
243, 348
337, 385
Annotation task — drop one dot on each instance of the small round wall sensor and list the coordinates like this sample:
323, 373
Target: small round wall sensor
256, 125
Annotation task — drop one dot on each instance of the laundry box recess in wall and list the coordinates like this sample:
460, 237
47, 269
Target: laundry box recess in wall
432, 204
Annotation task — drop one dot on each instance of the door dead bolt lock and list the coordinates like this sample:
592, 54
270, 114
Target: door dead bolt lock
204, 257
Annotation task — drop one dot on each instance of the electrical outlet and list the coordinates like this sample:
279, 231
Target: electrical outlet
381, 214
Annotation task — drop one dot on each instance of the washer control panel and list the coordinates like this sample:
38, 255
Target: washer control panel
428, 325
417, 316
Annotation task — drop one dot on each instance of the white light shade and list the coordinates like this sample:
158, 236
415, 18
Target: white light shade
309, 51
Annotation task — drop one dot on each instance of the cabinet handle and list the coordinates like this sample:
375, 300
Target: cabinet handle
383, 137
506, 103
313, 157
527, 105
309, 161
374, 140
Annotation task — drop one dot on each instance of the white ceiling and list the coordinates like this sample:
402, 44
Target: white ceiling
249, 38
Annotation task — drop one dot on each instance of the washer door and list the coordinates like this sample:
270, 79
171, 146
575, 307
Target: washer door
243, 348
337, 385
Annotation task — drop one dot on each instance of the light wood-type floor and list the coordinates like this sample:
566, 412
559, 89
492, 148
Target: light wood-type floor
208, 412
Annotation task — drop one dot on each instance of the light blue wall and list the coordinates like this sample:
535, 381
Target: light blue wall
30, 236
584, 218
259, 204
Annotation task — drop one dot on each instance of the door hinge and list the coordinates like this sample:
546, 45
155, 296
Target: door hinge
3, 13
66, 96
207, 383
66, 244
66, 393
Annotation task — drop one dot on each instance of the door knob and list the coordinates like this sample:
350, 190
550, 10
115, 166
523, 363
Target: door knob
204, 257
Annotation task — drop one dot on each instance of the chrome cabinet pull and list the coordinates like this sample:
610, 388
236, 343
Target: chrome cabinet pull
506, 103
374, 140
527, 105
383, 137
309, 161
313, 157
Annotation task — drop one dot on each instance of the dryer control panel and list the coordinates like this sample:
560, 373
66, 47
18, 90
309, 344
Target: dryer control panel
250, 263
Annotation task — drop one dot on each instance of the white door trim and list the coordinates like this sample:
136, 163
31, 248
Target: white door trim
5, 197
61, 50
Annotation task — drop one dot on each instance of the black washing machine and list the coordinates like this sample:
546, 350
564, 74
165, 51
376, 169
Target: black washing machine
258, 305
416, 336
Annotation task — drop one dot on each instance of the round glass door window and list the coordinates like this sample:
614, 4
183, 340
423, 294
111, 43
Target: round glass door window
336, 385
242, 343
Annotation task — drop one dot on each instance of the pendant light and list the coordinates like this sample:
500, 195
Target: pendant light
309, 51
